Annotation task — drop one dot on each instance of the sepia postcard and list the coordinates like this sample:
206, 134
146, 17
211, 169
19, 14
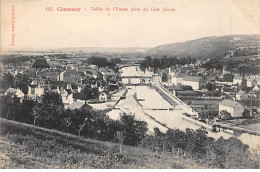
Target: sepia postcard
138, 84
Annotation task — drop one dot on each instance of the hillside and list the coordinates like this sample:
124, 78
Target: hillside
27, 146
206, 47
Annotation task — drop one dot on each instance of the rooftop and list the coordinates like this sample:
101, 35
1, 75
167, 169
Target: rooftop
240, 92
192, 78
229, 103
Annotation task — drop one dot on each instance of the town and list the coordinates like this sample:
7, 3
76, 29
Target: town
149, 101
130, 84
223, 95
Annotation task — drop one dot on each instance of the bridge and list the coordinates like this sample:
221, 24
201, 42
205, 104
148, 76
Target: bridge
137, 80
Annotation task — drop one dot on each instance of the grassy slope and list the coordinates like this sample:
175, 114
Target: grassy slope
26, 146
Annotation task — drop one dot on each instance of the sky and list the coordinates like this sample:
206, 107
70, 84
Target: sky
35, 28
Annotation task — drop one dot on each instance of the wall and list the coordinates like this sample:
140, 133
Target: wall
174, 100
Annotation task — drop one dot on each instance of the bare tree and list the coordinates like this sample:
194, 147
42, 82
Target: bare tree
81, 126
120, 137
36, 112
67, 122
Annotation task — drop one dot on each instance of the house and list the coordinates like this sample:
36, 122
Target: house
196, 82
80, 105
177, 79
171, 72
35, 91
186, 69
103, 96
48, 59
237, 79
148, 72
201, 70
258, 81
14, 91
53, 89
94, 68
251, 82
233, 107
91, 69
67, 97
256, 88
51, 74
30, 72
70, 76
241, 95
211, 79
107, 73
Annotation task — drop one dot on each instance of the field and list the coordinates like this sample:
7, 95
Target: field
27, 146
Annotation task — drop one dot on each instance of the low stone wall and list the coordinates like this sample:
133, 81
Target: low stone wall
198, 123
173, 100
168, 99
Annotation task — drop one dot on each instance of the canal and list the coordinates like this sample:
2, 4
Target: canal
150, 99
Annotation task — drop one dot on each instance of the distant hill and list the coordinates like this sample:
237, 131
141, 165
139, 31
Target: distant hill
102, 50
206, 47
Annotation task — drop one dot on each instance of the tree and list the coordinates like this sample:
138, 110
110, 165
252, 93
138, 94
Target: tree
248, 69
157, 132
210, 87
67, 123
164, 77
103, 62
115, 60
230, 153
53, 108
40, 63
228, 77
81, 126
176, 139
133, 130
51, 99
11, 106
88, 93
37, 112
224, 115
25, 112
22, 81
120, 137
6, 81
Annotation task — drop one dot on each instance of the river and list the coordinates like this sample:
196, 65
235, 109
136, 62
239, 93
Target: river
150, 99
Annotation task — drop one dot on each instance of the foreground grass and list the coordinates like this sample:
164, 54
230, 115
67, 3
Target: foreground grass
26, 146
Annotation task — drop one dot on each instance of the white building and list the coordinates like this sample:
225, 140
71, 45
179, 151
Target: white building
233, 107
67, 97
237, 79
177, 79
196, 82
256, 88
14, 91
241, 95
103, 96
251, 82
257, 81
34, 91
70, 76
